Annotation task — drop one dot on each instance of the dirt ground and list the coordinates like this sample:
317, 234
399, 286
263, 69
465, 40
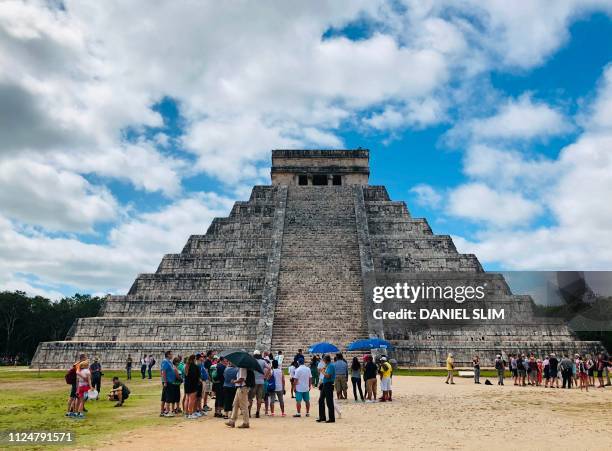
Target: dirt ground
425, 414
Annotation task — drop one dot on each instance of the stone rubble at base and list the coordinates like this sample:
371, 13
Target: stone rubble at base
295, 265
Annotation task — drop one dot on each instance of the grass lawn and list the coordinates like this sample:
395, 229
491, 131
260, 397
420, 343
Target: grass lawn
33, 401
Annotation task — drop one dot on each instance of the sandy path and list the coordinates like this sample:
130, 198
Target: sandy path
425, 413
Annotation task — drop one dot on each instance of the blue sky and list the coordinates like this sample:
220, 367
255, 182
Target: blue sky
123, 131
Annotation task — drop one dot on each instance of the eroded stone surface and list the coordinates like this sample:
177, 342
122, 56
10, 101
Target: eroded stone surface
294, 265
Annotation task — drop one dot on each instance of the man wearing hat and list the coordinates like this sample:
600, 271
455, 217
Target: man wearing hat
257, 392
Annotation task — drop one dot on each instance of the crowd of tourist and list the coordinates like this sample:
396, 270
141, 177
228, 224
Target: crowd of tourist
579, 371
188, 383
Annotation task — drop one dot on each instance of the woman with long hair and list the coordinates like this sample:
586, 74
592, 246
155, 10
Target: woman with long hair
356, 378
192, 380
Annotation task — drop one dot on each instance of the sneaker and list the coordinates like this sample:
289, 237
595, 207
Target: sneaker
243, 426
169, 414
192, 417
162, 414
272, 414
68, 414
307, 414
198, 414
256, 414
283, 415
206, 408
230, 424
119, 404
297, 415
80, 416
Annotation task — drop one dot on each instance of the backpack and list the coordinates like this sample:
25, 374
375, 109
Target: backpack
271, 384
71, 376
213, 373
499, 365
250, 379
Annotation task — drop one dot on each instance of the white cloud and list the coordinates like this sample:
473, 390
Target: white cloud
476, 201
39, 194
576, 188
520, 118
426, 195
17, 283
134, 246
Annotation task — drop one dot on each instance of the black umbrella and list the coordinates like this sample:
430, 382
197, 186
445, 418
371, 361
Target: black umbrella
242, 359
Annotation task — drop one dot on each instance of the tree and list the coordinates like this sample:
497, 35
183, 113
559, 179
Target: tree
26, 321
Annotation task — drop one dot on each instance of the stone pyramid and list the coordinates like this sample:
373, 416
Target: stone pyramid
294, 265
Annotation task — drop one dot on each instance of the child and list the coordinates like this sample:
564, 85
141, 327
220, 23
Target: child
83, 386
279, 388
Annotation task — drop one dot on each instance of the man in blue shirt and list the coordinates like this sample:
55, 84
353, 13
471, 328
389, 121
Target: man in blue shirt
168, 376
327, 392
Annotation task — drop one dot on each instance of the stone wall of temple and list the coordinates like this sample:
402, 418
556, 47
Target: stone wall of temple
295, 265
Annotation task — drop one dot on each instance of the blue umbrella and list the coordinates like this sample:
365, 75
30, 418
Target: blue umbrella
370, 343
322, 348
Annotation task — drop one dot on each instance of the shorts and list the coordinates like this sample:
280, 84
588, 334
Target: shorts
385, 384
599, 373
256, 392
173, 393
73, 391
522, 373
514, 372
302, 396
340, 383
207, 386
82, 390
276, 396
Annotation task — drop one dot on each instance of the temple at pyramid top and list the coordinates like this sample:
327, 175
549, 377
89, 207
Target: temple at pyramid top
320, 167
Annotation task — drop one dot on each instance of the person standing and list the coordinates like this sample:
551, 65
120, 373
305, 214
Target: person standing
72, 379
500, 366
96, 375
554, 367
128, 367
279, 358
314, 371
144, 362
327, 392
217, 376
83, 386
150, 365
292, 368
385, 379
241, 400
168, 376
257, 392
356, 378
566, 371
476, 366
279, 389
369, 376
341, 383
229, 389
450, 368
192, 386
303, 377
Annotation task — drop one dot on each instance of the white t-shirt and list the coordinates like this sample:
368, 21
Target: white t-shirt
279, 359
83, 377
291, 371
302, 374
321, 366
278, 379
242, 374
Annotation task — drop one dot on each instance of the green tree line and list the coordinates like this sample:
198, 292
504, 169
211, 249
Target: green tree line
27, 320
